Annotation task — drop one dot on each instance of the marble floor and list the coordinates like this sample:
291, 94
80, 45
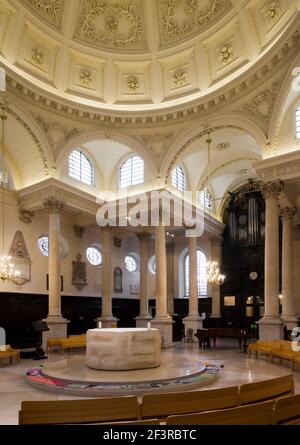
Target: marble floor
235, 368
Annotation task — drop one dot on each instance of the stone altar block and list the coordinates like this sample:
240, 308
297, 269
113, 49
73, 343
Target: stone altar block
123, 349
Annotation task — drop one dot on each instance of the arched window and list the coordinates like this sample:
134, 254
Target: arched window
298, 123
131, 172
201, 274
178, 178
205, 198
81, 168
118, 279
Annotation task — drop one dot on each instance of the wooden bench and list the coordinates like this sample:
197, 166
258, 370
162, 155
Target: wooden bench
266, 390
53, 343
256, 414
163, 405
287, 410
79, 411
10, 353
73, 341
261, 346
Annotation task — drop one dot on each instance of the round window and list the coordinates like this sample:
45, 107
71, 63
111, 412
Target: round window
43, 245
131, 263
94, 256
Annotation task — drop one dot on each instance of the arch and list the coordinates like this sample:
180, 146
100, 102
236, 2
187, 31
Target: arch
238, 121
279, 106
89, 136
35, 132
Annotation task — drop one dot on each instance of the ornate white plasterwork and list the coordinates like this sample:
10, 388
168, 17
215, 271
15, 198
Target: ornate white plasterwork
33, 137
261, 106
56, 133
112, 24
194, 15
50, 10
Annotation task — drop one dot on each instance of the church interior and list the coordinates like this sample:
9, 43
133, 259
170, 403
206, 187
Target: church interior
150, 212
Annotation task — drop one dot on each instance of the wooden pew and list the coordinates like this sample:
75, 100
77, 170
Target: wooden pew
10, 353
266, 390
163, 405
287, 410
73, 341
256, 414
79, 411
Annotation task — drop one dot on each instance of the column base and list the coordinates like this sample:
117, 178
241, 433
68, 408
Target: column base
142, 320
165, 326
57, 328
270, 328
290, 321
215, 316
193, 322
108, 321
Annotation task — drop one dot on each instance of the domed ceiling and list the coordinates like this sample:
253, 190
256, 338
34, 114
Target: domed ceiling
137, 55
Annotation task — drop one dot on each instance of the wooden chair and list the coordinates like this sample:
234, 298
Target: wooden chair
258, 414
287, 410
163, 405
266, 390
79, 411
9, 352
261, 346
189, 336
53, 343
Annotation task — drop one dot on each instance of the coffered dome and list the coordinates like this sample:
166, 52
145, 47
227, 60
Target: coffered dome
137, 55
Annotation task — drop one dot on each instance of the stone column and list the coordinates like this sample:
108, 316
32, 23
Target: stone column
193, 319
288, 293
163, 320
216, 255
144, 317
170, 277
270, 325
56, 323
107, 319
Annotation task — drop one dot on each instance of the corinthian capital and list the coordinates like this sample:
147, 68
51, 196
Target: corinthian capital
288, 214
53, 205
272, 189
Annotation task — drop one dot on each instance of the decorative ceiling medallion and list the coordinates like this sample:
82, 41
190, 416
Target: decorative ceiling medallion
272, 10
132, 83
179, 78
223, 146
51, 10
226, 54
180, 18
261, 106
112, 24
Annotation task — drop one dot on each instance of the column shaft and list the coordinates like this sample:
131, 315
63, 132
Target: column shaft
161, 273
193, 277
288, 293
272, 257
54, 266
106, 274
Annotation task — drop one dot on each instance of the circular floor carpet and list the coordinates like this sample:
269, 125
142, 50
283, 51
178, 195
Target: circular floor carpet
71, 376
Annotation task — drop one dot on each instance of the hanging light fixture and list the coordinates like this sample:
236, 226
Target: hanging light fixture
213, 274
7, 271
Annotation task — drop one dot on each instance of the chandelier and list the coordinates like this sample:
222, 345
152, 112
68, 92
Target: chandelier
7, 272
213, 274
